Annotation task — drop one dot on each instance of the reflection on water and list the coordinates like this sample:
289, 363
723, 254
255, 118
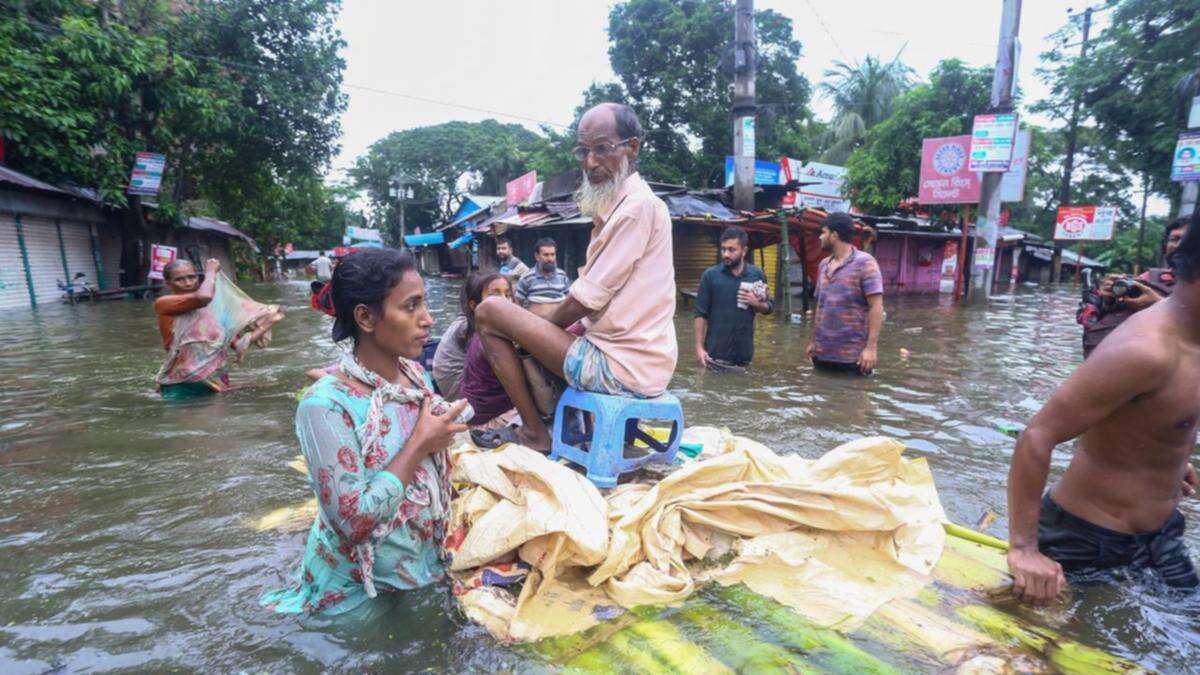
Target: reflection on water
123, 520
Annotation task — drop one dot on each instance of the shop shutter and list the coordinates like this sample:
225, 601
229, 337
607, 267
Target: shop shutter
77, 242
13, 291
696, 250
45, 261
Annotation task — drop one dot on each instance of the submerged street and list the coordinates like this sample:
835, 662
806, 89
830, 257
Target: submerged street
126, 534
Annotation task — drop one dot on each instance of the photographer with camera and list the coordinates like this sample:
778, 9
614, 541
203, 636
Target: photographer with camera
1120, 296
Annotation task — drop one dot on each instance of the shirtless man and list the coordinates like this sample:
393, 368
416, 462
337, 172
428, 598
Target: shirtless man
1134, 404
624, 298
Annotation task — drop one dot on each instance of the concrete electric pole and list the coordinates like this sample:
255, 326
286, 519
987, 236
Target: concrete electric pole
1187, 201
744, 106
401, 192
988, 215
1064, 190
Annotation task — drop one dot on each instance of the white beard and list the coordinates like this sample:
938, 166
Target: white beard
594, 200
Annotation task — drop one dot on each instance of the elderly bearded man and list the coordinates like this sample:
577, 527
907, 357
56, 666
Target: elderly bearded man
624, 298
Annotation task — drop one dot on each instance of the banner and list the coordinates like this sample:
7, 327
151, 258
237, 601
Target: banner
1085, 223
146, 177
160, 257
362, 234
765, 173
949, 267
1012, 183
825, 195
1186, 165
518, 189
946, 177
992, 139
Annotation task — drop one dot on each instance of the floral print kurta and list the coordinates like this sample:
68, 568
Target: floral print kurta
356, 496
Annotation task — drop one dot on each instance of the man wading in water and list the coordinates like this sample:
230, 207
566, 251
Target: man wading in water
625, 294
1134, 403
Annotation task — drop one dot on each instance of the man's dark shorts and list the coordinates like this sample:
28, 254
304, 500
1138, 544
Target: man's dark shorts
1082, 547
837, 367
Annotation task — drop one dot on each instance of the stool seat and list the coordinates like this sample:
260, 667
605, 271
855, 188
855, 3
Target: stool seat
615, 425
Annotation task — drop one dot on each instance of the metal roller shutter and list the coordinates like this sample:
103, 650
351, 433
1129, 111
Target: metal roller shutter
110, 251
767, 258
13, 291
45, 261
696, 250
77, 242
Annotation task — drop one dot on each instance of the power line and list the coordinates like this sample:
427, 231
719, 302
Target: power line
828, 32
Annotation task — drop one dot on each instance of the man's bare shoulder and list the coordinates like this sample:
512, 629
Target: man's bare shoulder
1145, 345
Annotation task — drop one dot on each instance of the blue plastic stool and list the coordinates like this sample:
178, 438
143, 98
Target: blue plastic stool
615, 424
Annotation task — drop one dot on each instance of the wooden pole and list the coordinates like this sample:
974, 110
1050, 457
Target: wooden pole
783, 260
959, 267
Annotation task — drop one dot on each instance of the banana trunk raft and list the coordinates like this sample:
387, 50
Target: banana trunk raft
960, 619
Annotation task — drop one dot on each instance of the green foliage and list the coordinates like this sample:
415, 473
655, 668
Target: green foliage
242, 96
674, 60
884, 170
441, 162
1132, 81
863, 95
1121, 254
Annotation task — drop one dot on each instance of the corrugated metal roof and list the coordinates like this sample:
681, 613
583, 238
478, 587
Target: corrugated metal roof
221, 227
13, 177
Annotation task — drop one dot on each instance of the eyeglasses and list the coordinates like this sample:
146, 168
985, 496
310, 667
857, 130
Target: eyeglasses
599, 150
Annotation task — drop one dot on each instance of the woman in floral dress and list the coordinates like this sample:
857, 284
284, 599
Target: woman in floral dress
374, 436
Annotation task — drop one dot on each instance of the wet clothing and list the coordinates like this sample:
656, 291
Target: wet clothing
1081, 546
323, 266
587, 368
840, 328
186, 391
730, 336
168, 307
480, 386
536, 288
628, 286
837, 366
514, 269
449, 359
372, 532
1098, 322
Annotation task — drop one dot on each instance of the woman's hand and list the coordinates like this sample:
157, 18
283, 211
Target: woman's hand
434, 433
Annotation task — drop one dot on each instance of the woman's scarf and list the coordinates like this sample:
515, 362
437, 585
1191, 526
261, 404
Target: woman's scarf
370, 439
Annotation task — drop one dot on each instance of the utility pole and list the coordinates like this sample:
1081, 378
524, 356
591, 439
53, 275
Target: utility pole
1137, 265
988, 215
1064, 190
401, 190
744, 105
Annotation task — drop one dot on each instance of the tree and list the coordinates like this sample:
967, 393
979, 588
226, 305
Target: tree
1128, 81
441, 162
884, 170
674, 60
242, 96
863, 95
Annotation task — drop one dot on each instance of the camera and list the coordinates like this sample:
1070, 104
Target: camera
1126, 288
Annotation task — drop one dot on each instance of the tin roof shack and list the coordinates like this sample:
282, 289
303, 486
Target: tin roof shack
49, 235
911, 252
1035, 262
198, 239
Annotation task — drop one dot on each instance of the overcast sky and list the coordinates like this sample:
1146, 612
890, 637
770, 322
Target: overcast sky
529, 60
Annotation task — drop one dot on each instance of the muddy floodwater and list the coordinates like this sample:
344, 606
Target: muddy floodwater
125, 536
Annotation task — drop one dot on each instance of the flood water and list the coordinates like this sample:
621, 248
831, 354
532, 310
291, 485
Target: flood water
125, 540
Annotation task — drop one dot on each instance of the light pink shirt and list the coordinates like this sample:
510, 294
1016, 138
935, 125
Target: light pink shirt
629, 284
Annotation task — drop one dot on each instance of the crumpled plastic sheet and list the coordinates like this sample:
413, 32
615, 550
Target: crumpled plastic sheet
833, 538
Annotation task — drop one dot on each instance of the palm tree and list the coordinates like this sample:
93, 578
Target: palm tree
863, 95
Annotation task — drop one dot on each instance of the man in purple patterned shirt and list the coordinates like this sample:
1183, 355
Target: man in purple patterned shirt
849, 302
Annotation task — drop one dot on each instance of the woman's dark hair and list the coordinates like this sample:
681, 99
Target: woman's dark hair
1186, 260
472, 291
841, 224
365, 278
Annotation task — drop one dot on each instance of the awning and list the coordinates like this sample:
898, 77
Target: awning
465, 239
206, 224
429, 239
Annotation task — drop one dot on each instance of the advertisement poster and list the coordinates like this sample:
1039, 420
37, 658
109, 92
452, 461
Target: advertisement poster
160, 257
946, 177
1186, 165
147, 173
519, 189
1085, 223
1012, 183
949, 267
748, 148
826, 194
985, 257
992, 140
765, 173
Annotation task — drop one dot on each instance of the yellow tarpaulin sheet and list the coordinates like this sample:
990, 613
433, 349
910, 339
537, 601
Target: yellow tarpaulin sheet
833, 538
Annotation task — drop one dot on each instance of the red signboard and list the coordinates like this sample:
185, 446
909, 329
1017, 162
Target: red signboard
946, 176
517, 190
1085, 223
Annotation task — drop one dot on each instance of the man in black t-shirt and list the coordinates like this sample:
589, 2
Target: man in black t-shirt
731, 293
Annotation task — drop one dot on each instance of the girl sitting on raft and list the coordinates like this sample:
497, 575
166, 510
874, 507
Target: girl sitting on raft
480, 386
374, 437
